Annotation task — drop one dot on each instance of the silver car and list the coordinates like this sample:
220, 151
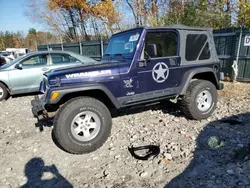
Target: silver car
24, 74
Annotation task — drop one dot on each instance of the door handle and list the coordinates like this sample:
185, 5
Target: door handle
173, 62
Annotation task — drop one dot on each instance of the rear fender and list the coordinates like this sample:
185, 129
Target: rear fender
188, 76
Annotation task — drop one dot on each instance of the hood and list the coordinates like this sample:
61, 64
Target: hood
70, 66
95, 72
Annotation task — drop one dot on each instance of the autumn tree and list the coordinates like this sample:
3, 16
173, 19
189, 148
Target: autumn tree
105, 11
10, 40
244, 13
73, 12
38, 11
31, 40
75, 20
145, 11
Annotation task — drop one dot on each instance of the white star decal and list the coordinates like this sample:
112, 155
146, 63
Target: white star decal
161, 70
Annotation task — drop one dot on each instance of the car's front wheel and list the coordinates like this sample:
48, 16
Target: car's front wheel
82, 125
3, 92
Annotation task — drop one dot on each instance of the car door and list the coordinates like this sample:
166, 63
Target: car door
62, 60
28, 77
160, 72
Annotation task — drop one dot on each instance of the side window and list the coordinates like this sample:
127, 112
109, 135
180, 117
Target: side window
62, 58
195, 45
38, 60
205, 54
165, 42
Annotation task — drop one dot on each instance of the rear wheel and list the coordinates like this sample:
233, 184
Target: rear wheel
82, 125
3, 92
200, 100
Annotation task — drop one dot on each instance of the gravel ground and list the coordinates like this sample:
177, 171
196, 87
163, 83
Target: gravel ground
208, 153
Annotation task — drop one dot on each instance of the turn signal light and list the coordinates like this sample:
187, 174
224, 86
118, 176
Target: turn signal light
55, 95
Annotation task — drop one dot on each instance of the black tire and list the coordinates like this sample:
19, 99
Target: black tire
3, 92
63, 125
189, 103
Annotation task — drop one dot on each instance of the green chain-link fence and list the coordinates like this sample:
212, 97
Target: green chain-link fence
87, 48
227, 43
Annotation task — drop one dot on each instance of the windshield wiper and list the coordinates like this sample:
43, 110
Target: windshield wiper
118, 54
114, 54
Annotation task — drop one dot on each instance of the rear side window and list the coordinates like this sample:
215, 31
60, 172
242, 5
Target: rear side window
205, 54
197, 45
62, 58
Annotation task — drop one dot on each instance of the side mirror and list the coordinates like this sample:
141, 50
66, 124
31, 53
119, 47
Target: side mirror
19, 66
151, 50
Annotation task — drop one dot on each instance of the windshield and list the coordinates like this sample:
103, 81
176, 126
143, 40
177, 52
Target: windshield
10, 63
123, 44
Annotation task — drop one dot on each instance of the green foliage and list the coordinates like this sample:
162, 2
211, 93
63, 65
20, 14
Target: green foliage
32, 31
190, 15
244, 14
200, 14
214, 142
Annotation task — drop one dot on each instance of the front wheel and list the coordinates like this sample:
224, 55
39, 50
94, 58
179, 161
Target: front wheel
82, 125
200, 100
3, 92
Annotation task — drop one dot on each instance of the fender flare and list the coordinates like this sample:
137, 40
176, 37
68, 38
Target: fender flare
186, 79
68, 90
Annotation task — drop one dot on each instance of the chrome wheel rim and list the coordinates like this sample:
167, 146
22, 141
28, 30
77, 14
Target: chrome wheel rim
85, 126
204, 100
1, 92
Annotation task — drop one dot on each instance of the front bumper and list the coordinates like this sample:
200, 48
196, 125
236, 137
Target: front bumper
37, 106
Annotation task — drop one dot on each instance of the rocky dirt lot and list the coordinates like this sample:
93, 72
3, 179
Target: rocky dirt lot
209, 153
